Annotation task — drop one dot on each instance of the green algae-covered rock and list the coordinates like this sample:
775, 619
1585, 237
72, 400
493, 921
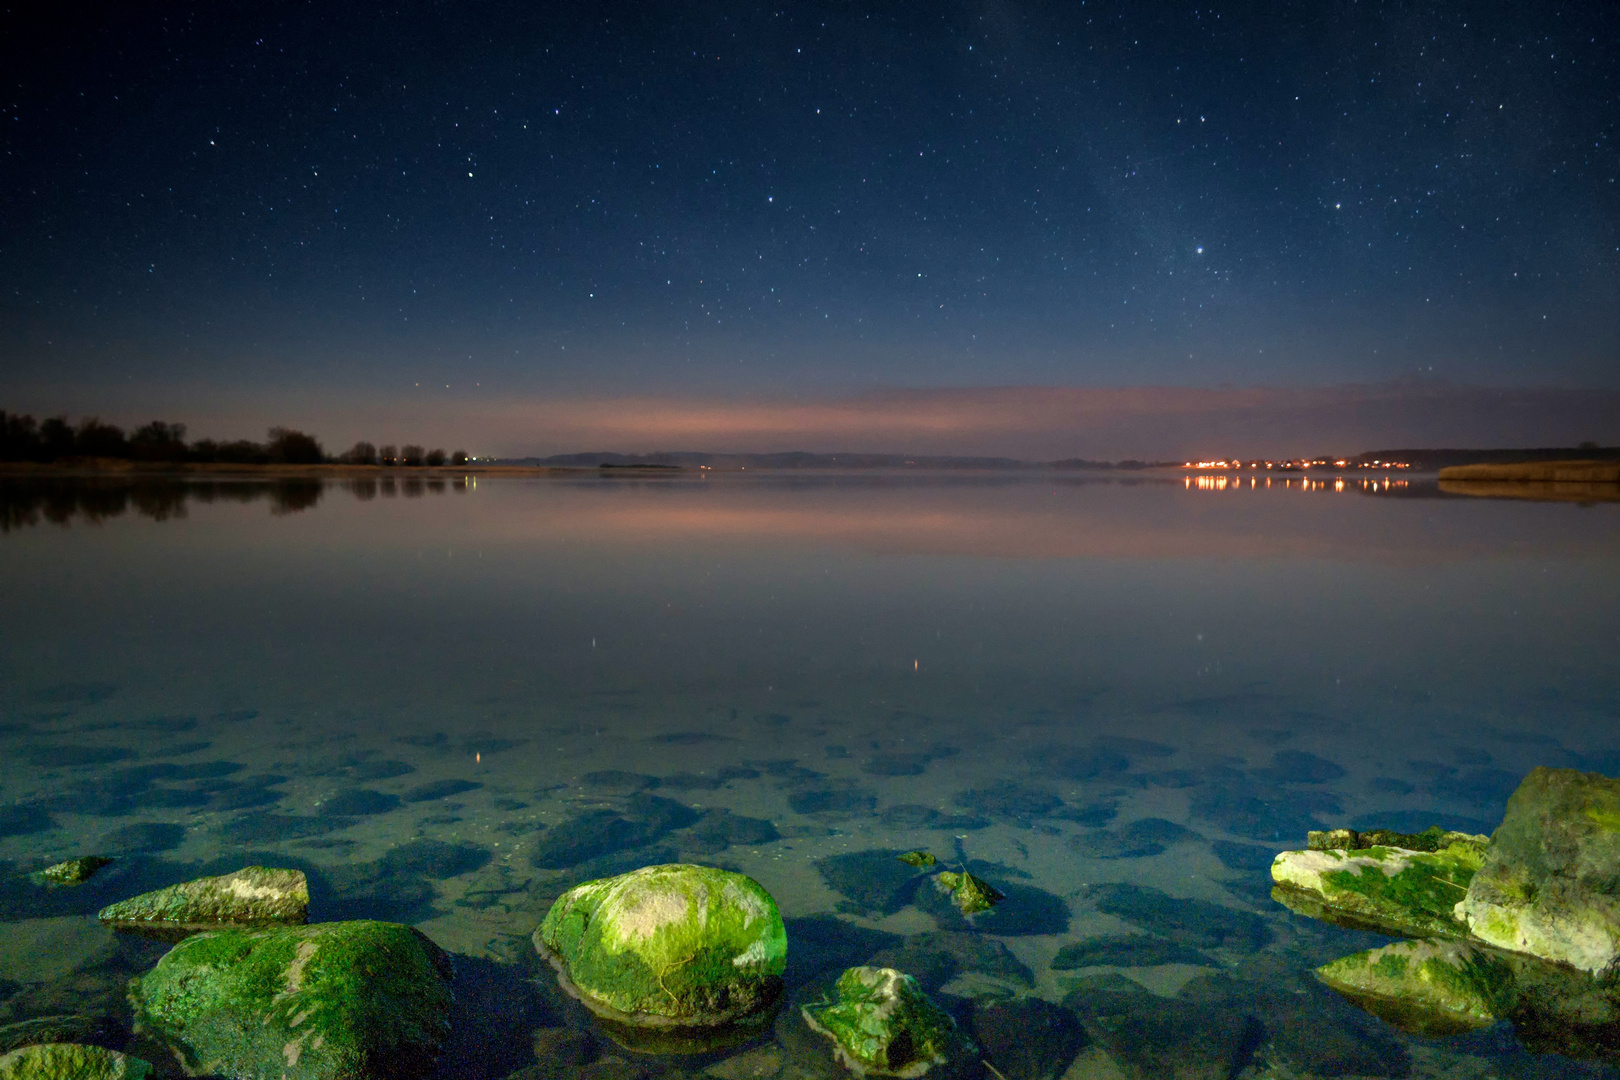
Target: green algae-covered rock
334, 1001
1390, 890
70, 1061
1433, 838
1550, 884
252, 896
674, 945
970, 894
882, 1024
1426, 987
72, 872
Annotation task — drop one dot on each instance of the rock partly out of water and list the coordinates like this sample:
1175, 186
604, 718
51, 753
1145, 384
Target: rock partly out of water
252, 896
882, 1024
72, 872
357, 1000
1426, 987
1431, 839
970, 894
1387, 889
70, 1061
1549, 885
668, 946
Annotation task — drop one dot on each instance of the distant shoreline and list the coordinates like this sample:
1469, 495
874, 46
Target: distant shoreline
1536, 472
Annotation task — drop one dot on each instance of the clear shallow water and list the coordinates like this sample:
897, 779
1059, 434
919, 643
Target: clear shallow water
448, 702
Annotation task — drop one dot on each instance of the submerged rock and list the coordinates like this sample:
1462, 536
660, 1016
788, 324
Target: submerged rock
70, 1061
1549, 884
1425, 987
72, 872
882, 1024
668, 946
356, 1000
1388, 889
252, 896
70, 1028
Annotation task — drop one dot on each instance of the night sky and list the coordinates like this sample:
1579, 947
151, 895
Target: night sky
489, 218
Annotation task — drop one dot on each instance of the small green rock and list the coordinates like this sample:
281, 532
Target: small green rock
335, 1001
1425, 987
882, 1024
971, 894
73, 872
917, 858
70, 1061
668, 946
252, 896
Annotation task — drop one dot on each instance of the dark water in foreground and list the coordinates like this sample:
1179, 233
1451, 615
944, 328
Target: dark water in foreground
448, 702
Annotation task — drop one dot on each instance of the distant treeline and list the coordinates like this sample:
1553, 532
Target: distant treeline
22, 438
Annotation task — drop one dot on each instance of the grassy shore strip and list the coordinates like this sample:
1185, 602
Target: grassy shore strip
1540, 472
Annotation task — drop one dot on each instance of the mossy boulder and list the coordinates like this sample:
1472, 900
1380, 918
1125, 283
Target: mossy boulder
668, 946
882, 1024
70, 1061
334, 1001
1387, 889
1550, 884
1426, 987
252, 896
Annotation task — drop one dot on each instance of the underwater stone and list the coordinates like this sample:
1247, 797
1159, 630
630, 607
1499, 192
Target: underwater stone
917, 859
1387, 889
668, 946
1548, 885
70, 1061
71, 1028
1425, 987
882, 1024
354, 1000
1127, 950
252, 896
72, 872
1196, 923
1027, 1039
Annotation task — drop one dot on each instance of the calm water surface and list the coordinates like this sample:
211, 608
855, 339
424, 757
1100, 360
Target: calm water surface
450, 701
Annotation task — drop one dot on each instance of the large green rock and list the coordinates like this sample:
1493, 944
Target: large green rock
1550, 885
1387, 889
1426, 987
252, 896
70, 1061
668, 946
334, 1001
882, 1024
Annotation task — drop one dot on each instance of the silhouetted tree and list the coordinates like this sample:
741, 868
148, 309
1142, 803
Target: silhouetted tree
361, 453
55, 438
411, 455
95, 439
240, 452
435, 457
294, 447
19, 438
459, 457
159, 441
388, 455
